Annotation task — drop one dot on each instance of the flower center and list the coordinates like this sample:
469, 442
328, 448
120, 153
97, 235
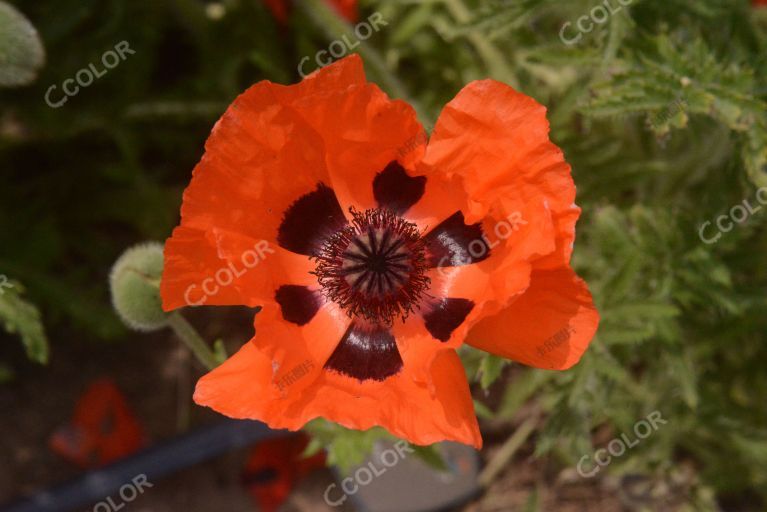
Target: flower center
374, 267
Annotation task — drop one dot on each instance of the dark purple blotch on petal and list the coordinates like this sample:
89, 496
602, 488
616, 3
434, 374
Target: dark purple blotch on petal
397, 191
454, 243
366, 353
299, 304
444, 316
310, 220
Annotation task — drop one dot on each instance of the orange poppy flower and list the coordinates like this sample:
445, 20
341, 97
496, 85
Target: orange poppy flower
345, 8
375, 255
759, 3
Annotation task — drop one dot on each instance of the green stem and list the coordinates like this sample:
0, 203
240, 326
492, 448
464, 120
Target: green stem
192, 339
507, 451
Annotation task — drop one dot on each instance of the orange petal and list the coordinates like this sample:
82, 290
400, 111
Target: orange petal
260, 158
295, 349
190, 259
494, 140
441, 199
419, 347
278, 378
515, 232
223, 268
362, 130
549, 326
488, 288
564, 225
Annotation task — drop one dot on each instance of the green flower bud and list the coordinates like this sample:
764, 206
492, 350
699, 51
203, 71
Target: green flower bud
135, 287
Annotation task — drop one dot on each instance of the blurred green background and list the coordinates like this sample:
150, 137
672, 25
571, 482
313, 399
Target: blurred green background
660, 109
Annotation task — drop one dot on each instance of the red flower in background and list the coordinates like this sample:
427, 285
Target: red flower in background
345, 8
102, 430
275, 466
378, 254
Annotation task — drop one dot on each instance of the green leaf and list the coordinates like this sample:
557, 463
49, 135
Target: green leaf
22, 318
490, 369
533, 502
314, 447
672, 81
680, 367
430, 455
521, 389
346, 448
482, 411
21, 50
219, 351
6, 373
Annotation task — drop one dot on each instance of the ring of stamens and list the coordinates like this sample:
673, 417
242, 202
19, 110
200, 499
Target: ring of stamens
374, 267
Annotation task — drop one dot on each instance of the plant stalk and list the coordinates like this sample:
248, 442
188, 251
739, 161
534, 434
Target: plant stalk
192, 339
